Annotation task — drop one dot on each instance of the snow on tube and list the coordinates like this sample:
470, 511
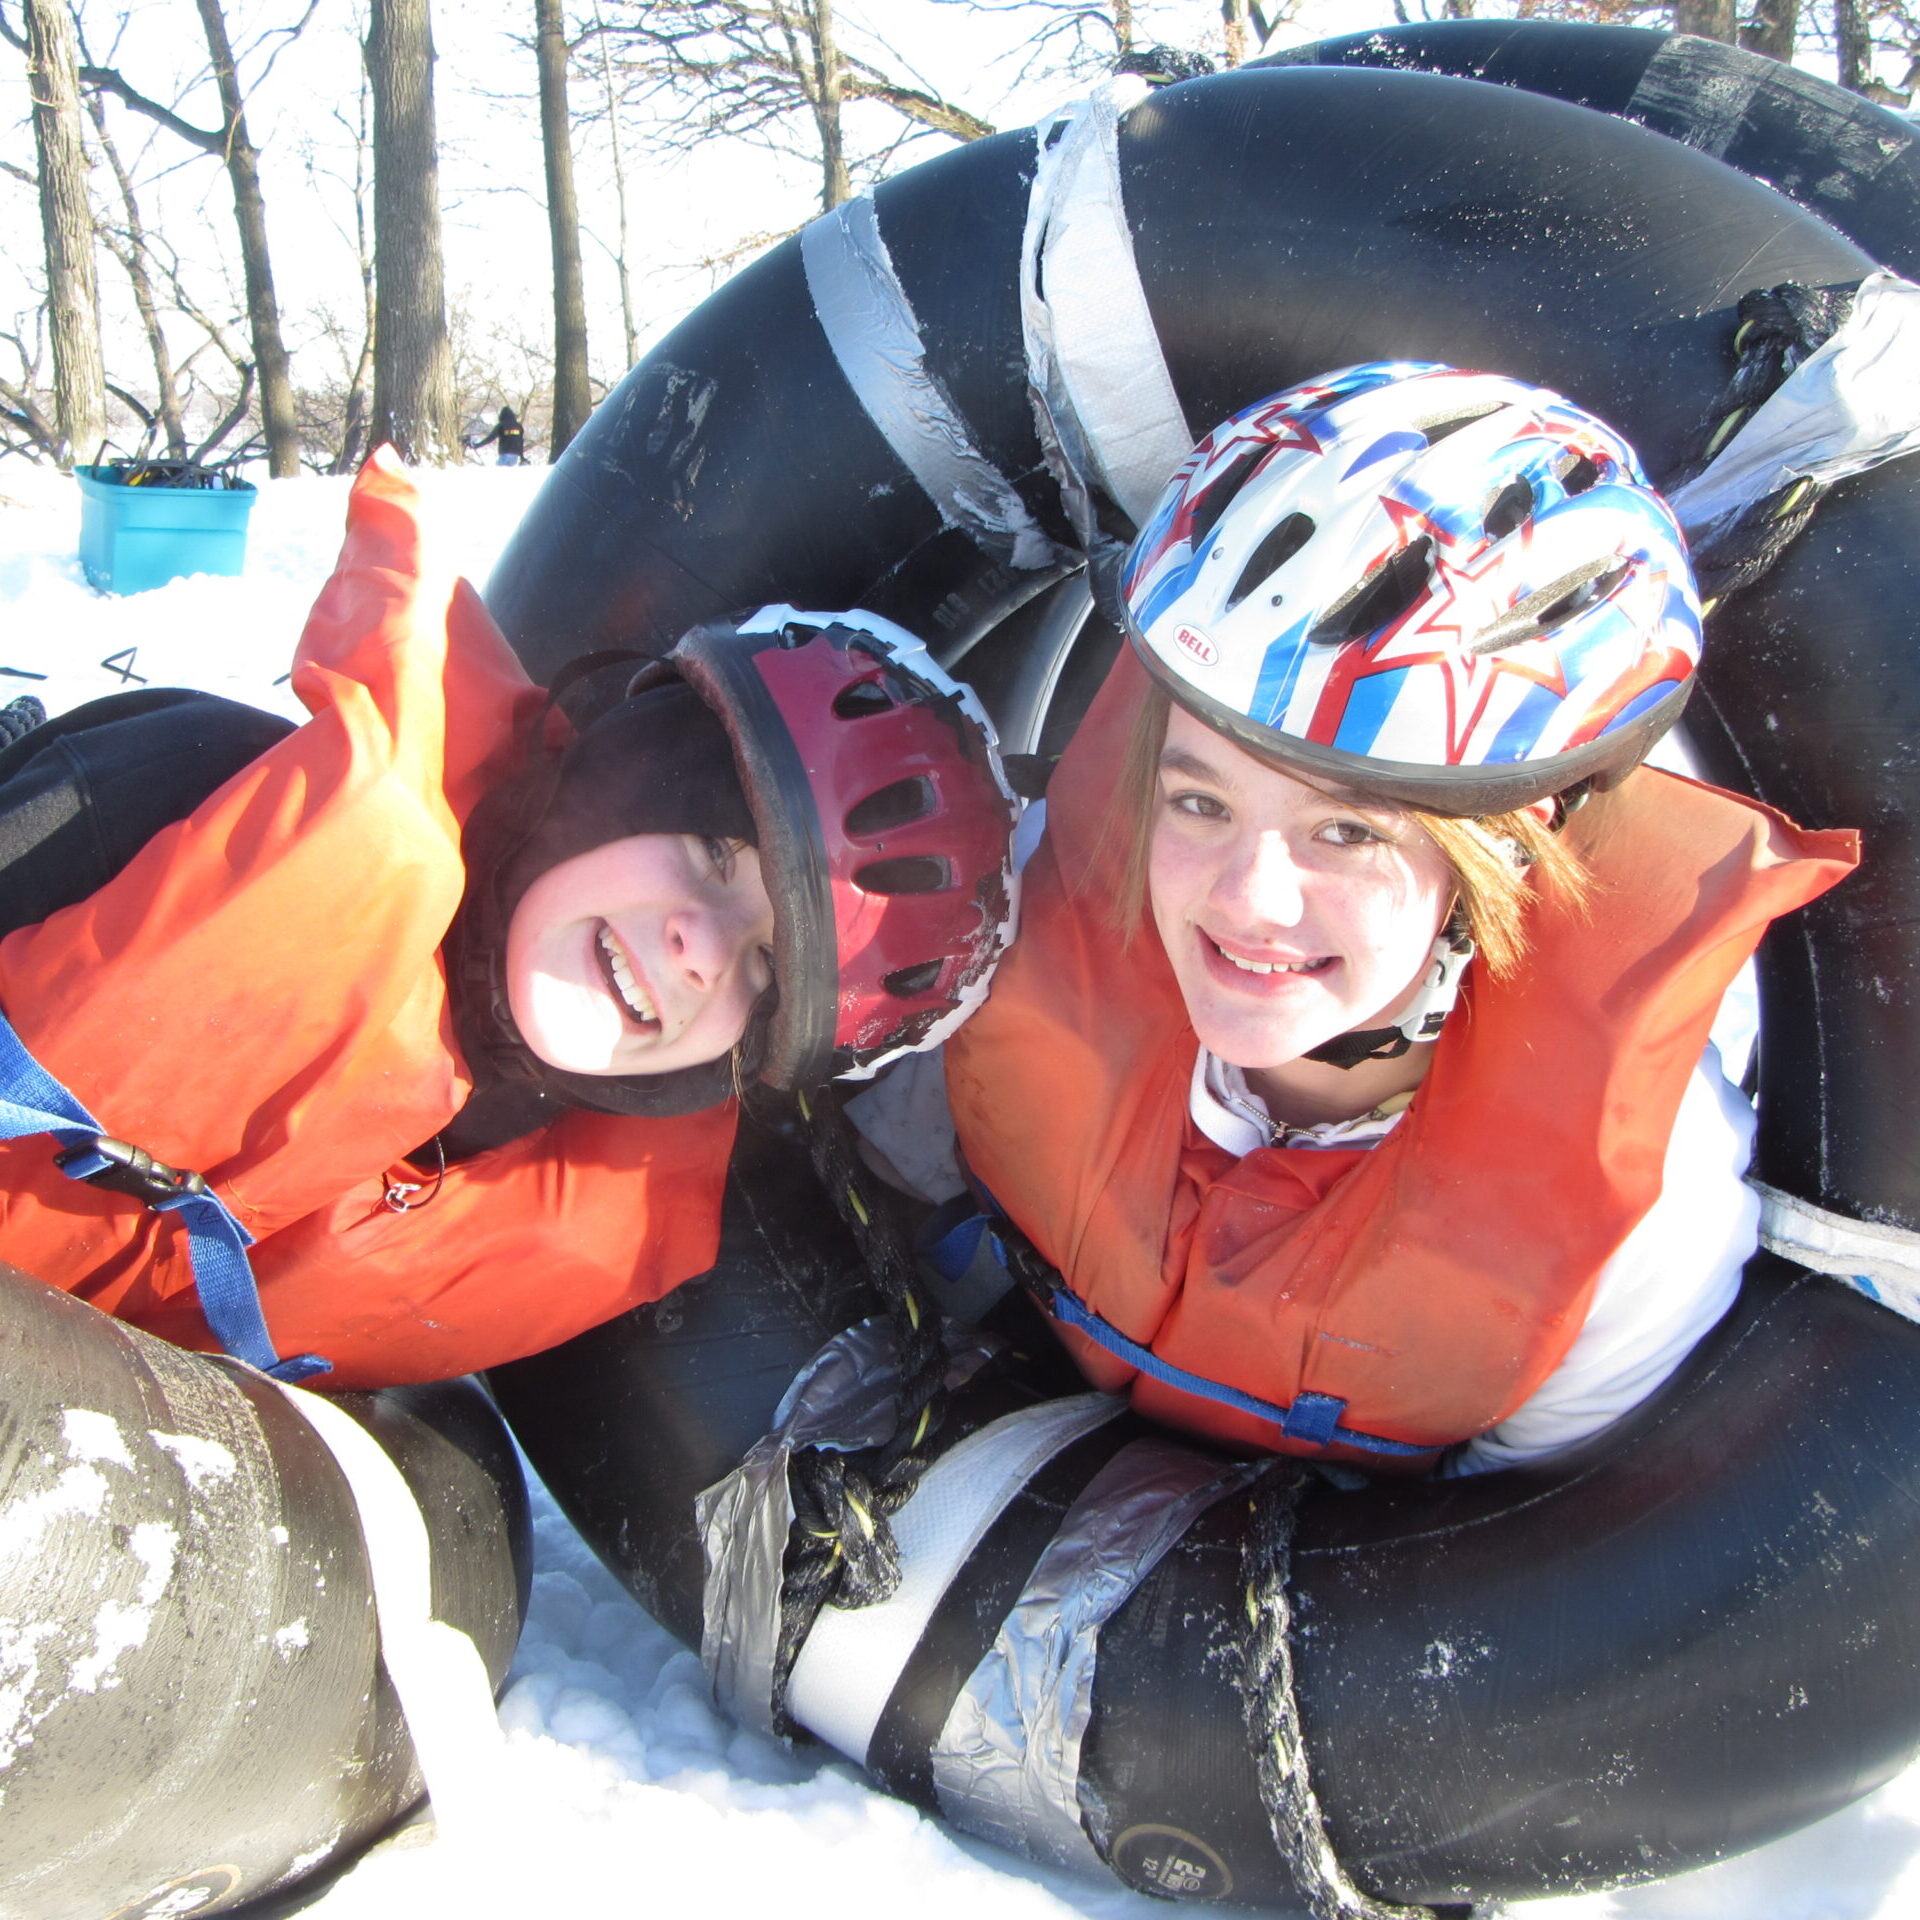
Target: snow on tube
193, 1708
1853, 163
1691, 1636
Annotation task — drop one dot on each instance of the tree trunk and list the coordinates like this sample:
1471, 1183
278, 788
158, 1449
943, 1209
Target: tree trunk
572, 399
1123, 26
277, 419
836, 186
133, 262
412, 360
1233, 16
1774, 29
66, 221
619, 196
1854, 40
1710, 19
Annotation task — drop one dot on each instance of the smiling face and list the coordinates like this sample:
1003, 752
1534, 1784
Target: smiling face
1290, 915
640, 956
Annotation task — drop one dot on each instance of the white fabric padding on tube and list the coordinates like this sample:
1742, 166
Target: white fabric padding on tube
436, 1670
1850, 406
1092, 348
1881, 1262
854, 1657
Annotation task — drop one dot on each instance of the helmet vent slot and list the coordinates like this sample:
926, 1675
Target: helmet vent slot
1222, 493
1535, 617
1510, 509
911, 873
1380, 599
1437, 430
1272, 554
862, 700
909, 983
1580, 474
892, 806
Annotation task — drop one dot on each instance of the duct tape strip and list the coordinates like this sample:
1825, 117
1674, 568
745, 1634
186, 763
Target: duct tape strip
1696, 91
436, 1670
1103, 398
844, 1399
1852, 405
1881, 1262
1007, 1764
870, 325
1705, 94
854, 1657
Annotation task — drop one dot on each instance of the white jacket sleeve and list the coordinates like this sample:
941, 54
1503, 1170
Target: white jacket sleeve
1673, 1278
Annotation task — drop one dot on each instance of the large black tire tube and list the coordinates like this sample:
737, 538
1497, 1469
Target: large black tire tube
1697, 1633
193, 1710
1853, 163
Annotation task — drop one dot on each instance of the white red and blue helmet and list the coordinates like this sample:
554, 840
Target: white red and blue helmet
1450, 590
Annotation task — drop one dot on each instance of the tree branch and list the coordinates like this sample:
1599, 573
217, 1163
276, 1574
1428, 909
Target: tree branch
862, 83
108, 80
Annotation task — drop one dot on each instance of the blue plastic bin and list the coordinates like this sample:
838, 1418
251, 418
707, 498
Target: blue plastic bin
133, 538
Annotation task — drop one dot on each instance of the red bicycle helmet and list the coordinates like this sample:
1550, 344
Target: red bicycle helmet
885, 824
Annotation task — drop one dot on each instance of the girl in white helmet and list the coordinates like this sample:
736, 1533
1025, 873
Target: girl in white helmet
1344, 1094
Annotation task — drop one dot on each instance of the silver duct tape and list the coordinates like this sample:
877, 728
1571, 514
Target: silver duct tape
870, 324
1881, 1262
842, 1399
853, 1658
1007, 1764
1693, 93
1853, 405
1103, 398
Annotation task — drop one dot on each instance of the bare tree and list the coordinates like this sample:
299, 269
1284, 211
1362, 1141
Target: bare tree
250, 214
1853, 44
412, 369
1710, 19
572, 400
128, 245
1772, 28
231, 145
621, 267
66, 224
26, 426
757, 68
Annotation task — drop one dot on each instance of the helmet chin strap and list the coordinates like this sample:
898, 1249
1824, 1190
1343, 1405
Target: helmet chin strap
1426, 1013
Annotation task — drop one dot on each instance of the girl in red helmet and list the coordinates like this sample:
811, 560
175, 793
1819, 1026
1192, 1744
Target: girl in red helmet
428, 1020
1333, 1101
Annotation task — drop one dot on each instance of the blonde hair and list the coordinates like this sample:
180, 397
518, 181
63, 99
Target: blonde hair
1499, 860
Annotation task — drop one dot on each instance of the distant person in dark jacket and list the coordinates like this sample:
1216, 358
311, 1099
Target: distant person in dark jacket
511, 435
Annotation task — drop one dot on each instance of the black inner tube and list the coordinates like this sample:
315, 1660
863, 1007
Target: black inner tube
1692, 1635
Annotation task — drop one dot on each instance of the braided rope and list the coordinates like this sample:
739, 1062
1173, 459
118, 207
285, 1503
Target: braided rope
1272, 1712
841, 1550
1779, 328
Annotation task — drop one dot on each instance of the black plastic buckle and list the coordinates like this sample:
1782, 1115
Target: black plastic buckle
1037, 1277
116, 1167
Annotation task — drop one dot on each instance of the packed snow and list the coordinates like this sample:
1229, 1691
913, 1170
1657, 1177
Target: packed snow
618, 1787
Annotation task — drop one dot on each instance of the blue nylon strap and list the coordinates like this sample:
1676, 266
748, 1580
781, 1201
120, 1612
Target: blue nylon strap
32, 1101
1313, 1418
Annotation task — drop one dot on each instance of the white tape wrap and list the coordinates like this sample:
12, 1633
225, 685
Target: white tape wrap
436, 1670
1102, 393
1881, 1262
1850, 406
870, 324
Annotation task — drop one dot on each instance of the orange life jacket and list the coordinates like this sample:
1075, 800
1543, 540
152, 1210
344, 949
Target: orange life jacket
258, 996
1420, 1290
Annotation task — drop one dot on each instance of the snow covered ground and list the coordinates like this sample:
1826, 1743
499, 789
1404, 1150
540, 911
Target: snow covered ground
624, 1792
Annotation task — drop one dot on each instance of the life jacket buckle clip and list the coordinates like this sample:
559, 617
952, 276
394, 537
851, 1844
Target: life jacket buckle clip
116, 1166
